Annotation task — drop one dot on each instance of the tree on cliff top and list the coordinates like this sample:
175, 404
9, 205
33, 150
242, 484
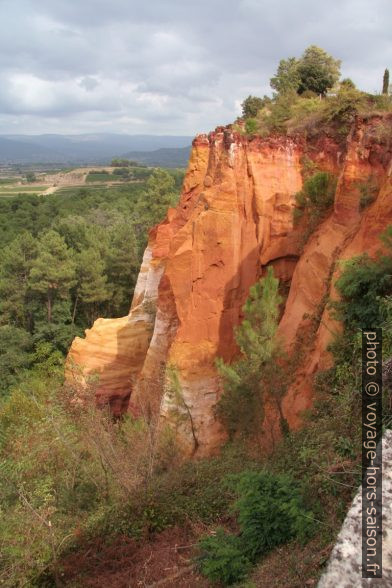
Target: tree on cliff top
316, 71
252, 104
287, 76
385, 82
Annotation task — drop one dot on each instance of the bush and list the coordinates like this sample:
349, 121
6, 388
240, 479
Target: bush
222, 558
251, 126
362, 283
270, 511
252, 104
314, 200
342, 108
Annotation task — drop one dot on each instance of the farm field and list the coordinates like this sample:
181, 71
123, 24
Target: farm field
94, 177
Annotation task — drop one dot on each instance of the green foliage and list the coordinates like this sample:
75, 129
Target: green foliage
368, 194
53, 271
99, 176
30, 177
314, 201
315, 71
252, 104
270, 512
318, 71
342, 107
385, 82
363, 282
287, 78
16, 347
274, 117
222, 558
69, 258
251, 126
247, 380
309, 98
347, 84
159, 196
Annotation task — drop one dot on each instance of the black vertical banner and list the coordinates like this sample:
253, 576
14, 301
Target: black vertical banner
371, 453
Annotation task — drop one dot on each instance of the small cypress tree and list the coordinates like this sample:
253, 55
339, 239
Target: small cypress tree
385, 82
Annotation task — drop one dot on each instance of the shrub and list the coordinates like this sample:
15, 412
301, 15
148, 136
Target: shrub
270, 511
251, 126
368, 194
314, 200
222, 558
361, 284
342, 108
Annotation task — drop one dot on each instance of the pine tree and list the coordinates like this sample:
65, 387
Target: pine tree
122, 261
53, 272
92, 287
154, 202
385, 82
15, 266
257, 372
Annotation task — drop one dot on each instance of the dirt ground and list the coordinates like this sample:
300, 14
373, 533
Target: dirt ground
165, 560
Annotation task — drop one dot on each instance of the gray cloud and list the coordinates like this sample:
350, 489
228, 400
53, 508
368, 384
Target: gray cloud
168, 66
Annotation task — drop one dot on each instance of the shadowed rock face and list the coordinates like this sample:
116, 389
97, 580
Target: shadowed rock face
345, 565
234, 218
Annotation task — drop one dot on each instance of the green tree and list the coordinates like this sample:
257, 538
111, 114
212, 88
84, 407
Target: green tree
15, 355
30, 177
92, 287
122, 262
15, 295
153, 203
248, 380
318, 71
252, 104
385, 82
287, 77
53, 271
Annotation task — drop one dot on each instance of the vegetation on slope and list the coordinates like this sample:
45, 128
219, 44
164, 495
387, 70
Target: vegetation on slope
70, 474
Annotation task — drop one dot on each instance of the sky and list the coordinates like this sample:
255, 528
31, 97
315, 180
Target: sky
175, 67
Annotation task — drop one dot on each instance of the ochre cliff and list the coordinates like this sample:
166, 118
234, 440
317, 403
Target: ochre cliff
234, 218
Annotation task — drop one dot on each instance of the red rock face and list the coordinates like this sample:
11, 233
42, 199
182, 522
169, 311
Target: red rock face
234, 218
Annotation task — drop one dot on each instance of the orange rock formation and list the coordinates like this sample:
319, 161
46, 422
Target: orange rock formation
234, 218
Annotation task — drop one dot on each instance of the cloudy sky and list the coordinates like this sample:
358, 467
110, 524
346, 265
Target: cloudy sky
168, 66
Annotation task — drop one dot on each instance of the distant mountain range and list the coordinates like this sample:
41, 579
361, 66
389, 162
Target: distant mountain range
97, 148
165, 157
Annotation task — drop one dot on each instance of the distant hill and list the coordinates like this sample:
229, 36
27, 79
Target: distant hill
24, 152
87, 148
164, 157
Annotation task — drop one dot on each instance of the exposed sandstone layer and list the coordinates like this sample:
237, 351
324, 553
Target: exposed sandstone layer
233, 219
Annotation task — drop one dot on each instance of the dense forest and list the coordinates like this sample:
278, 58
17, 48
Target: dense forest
68, 258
